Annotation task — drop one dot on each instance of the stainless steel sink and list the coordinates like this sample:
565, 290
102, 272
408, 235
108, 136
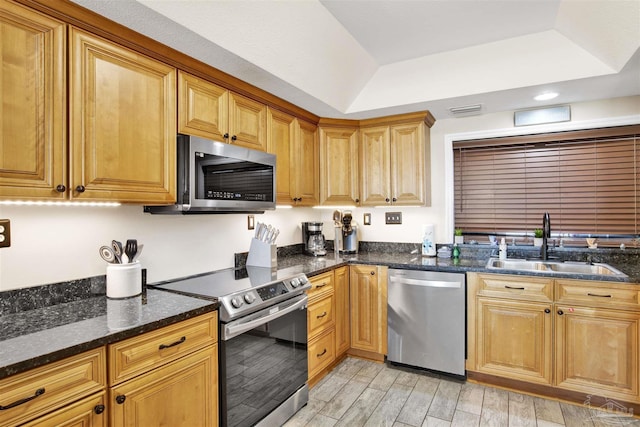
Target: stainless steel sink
554, 267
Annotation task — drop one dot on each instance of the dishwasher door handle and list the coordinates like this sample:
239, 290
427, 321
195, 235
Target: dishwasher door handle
424, 283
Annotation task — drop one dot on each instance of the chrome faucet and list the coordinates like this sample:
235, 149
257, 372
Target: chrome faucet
546, 234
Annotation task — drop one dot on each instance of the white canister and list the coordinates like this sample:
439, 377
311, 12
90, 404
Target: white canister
428, 240
124, 280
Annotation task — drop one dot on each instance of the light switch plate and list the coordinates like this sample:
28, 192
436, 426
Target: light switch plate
393, 217
366, 219
5, 233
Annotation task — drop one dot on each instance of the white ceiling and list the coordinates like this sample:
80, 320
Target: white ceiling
365, 58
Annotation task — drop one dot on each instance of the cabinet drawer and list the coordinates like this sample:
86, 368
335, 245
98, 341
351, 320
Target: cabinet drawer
52, 386
89, 412
137, 355
321, 352
600, 294
515, 287
320, 315
320, 285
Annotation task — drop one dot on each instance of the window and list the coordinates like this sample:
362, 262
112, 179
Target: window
587, 180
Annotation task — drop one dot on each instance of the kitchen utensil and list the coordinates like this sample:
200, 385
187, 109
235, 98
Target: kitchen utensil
117, 250
130, 249
135, 257
275, 236
107, 254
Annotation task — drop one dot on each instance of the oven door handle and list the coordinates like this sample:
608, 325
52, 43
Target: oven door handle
231, 330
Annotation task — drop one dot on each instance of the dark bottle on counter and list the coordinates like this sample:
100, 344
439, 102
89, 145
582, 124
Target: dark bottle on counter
456, 251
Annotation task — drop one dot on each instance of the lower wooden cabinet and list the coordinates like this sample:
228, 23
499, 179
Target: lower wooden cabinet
327, 321
341, 295
368, 304
50, 392
180, 394
571, 336
167, 377
89, 412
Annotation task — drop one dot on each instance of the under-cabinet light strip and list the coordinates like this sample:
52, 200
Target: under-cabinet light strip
56, 203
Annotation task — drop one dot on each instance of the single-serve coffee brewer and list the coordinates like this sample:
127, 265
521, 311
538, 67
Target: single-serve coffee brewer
346, 233
313, 239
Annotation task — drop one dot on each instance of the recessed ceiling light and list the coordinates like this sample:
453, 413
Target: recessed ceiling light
545, 96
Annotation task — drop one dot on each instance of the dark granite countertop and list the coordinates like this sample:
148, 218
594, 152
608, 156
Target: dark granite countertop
316, 265
35, 337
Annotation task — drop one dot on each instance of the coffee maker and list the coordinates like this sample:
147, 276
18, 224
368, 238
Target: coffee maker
313, 239
346, 233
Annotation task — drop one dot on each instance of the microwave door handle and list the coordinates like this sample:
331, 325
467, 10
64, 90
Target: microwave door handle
230, 330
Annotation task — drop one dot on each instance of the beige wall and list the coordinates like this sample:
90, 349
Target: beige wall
52, 244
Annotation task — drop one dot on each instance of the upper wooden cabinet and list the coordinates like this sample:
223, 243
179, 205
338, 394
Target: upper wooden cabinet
33, 151
123, 123
295, 144
339, 162
394, 157
306, 164
281, 132
213, 112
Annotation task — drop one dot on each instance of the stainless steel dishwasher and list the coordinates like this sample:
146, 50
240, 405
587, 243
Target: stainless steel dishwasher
426, 320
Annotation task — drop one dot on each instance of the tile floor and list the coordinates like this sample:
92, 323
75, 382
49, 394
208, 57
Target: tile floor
363, 393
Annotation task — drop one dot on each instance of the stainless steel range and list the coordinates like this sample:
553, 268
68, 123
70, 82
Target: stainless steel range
263, 341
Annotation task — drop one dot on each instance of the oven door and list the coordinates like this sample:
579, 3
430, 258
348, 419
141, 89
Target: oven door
263, 361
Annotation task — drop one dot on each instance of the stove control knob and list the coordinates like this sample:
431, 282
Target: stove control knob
294, 283
248, 298
236, 302
303, 280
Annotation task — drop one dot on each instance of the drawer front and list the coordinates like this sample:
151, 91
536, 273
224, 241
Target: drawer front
89, 412
320, 315
140, 354
321, 352
320, 285
52, 386
598, 294
515, 287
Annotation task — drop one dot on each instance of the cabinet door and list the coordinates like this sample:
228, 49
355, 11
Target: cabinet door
306, 166
181, 394
513, 339
338, 166
247, 122
280, 131
597, 349
123, 123
33, 109
89, 412
375, 188
203, 108
409, 176
368, 302
341, 296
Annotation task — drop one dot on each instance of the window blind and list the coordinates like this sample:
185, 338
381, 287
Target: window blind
588, 181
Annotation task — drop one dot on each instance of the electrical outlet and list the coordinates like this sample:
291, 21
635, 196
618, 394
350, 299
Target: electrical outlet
393, 217
251, 223
366, 219
5, 233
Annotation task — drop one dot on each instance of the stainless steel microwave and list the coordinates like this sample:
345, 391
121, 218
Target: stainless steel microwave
215, 177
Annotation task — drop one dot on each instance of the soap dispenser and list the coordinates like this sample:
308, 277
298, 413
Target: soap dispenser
503, 249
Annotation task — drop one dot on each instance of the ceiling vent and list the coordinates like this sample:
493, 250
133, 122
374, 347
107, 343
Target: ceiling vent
466, 110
